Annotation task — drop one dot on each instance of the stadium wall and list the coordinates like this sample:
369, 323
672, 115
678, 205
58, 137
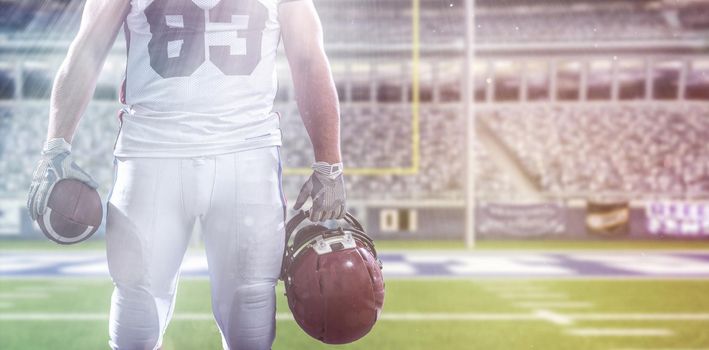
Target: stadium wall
444, 222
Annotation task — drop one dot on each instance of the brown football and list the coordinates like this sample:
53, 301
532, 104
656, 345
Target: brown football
74, 212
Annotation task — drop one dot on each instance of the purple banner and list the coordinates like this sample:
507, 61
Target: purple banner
677, 218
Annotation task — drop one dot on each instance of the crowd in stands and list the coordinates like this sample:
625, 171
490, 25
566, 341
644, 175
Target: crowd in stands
25, 133
575, 147
447, 25
5, 121
566, 148
572, 25
373, 137
380, 139
633, 148
695, 16
441, 22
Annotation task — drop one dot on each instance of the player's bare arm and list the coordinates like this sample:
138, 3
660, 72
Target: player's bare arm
314, 87
76, 79
73, 88
319, 108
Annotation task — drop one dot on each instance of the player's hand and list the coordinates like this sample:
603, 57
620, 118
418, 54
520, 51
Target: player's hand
56, 164
326, 188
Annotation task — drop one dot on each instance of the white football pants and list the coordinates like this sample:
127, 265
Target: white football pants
153, 207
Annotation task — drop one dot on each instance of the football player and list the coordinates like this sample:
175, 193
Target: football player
198, 141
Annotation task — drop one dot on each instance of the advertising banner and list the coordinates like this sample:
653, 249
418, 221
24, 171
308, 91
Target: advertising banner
608, 219
678, 218
521, 220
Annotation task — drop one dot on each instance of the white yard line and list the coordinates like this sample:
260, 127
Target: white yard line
555, 304
412, 278
512, 289
32, 295
661, 349
280, 316
45, 288
458, 317
620, 332
522, 296
640, 316
539, 315
506, 285
553, 317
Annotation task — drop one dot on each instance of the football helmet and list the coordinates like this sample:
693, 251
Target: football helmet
333, 279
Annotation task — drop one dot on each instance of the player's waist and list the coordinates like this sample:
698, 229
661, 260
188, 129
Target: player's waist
212, 111
187, 135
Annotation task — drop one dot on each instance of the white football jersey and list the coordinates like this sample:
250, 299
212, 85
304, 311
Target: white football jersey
200, 78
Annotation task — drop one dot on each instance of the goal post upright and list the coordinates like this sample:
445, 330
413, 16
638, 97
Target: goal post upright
468, 99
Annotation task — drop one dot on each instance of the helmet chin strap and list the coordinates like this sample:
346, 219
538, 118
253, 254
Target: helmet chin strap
304, 214
294, 222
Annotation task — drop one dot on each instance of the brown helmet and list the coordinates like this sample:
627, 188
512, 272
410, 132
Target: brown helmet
333, 280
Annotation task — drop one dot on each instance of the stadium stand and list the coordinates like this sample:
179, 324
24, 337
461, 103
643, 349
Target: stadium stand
441, 21
369, 144
26, 132
567, 26
641, 148
5, 121
567, 148
695, 17
515, 21
15, 16
574, 146
559, 25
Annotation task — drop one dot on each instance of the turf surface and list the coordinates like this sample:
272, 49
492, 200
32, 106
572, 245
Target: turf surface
384, 245
447, 314
445, 299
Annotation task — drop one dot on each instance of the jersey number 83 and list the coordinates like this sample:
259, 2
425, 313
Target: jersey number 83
182, 32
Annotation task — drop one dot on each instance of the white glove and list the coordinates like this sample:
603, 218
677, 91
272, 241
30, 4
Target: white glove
56, 164
326, 188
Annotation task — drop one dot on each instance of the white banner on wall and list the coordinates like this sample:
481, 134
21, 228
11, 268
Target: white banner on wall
521, 220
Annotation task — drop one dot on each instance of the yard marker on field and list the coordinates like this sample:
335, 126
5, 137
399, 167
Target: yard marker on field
641, 317
535, 296
23, 295
555, 304
513, 289
538, 315
281, 316
620, 332
457, 317
553, 317
514, 284
662, 349
504, 285
33, 289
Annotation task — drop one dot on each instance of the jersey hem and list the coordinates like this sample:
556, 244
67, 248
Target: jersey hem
183, 153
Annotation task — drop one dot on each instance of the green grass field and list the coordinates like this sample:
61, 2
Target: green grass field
490, 314
424, 314
384, 245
